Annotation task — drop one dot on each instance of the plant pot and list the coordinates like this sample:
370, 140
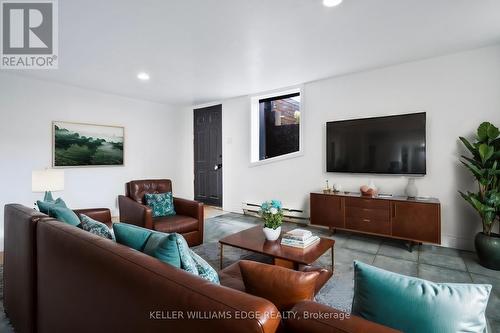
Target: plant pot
488, 250
272, 234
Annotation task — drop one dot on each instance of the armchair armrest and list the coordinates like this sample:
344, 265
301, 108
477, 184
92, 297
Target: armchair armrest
135, 213
99, 214
312, 317
189, 208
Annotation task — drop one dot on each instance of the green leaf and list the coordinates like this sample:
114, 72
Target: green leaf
496, 155
469, 146
493, 132
472, 161
482, 131
475, 170
486, 152
493, 200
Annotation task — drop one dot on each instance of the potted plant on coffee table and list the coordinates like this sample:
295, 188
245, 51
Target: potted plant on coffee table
485, 166
272, 213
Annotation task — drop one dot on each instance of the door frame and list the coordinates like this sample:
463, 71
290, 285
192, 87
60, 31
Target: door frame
223, 146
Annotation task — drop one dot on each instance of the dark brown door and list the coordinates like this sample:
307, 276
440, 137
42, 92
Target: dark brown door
208, 155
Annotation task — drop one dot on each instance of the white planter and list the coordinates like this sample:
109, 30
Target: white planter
272, 234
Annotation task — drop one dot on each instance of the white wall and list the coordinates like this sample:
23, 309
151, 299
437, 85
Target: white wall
458, 92
27, 109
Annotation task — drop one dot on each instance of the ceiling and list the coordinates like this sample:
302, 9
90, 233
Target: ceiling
198, 51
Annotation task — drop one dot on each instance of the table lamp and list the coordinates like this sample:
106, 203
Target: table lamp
47, 180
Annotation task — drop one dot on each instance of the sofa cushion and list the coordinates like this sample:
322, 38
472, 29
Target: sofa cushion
96, 227
282, 286
131, 235
415, 305
45, 206
162, 204
179, 223
65, 215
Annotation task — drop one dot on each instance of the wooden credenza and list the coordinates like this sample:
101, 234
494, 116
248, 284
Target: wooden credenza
395, 217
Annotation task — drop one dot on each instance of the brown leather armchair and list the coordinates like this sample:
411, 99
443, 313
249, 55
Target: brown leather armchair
133, 210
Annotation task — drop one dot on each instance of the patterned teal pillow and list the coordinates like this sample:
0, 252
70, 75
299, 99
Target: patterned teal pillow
187, 262
162, 204
205, 271
96, 227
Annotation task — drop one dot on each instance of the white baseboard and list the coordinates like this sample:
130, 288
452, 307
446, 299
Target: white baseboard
458, 242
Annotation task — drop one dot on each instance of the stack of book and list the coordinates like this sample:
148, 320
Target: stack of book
299, 238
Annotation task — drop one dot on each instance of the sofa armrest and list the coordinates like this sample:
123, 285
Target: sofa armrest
324, 275
99, 214
312, 317
135, 213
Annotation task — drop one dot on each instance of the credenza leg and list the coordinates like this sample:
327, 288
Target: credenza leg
410, 246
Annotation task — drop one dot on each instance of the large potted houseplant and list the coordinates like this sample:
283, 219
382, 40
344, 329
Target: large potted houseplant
272, 213
485, 166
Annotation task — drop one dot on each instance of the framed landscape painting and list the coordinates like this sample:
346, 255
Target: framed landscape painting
86, 145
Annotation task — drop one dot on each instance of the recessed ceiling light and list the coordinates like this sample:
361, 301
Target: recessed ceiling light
143, 76
331, 3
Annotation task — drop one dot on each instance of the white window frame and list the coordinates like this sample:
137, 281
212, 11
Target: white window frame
255, 126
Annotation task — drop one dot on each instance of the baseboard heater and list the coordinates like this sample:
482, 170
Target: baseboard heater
289, 214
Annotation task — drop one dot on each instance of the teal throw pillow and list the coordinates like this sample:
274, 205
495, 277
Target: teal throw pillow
96, 227
205, 271
131, 235
162, 204
64, 215
46, 206
414, 305
164, 248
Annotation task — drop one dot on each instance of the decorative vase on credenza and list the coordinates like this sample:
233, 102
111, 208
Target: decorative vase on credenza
411, 189
484, 164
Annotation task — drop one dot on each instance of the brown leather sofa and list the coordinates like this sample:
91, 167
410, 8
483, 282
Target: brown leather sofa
133, 210
58, 278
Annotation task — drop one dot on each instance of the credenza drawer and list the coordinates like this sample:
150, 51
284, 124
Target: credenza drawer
378, 226
369, 213
368, 203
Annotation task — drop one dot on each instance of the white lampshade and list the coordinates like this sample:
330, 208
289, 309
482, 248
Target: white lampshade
47, 180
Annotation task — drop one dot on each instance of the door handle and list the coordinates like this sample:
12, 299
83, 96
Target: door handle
217, 166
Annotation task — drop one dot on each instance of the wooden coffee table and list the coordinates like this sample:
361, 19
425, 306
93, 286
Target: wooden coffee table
253, 239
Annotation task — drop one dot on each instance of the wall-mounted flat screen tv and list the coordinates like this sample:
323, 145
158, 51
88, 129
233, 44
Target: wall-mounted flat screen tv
382, 145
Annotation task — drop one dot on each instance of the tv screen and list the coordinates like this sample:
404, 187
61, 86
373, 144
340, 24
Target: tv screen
384, 145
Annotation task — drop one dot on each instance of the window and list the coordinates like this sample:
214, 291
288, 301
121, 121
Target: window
276, 125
